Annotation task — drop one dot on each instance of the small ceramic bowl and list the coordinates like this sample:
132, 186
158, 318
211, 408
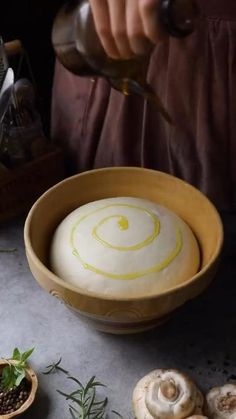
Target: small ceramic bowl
32, 378
124, 315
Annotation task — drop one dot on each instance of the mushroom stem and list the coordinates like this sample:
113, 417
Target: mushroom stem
227, 403
169, 390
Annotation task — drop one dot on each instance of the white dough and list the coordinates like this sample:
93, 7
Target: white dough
124, 247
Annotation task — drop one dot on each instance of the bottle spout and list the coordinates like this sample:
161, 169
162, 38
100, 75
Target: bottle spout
129, 86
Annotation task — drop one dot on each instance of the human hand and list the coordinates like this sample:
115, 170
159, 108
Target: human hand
127, 27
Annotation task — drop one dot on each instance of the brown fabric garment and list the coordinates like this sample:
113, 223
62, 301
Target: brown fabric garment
196, 79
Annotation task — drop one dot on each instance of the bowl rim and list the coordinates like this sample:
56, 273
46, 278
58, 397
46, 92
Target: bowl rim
47, 272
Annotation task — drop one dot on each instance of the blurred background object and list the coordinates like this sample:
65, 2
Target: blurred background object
22, 133
29, 162
3, 62
31, 22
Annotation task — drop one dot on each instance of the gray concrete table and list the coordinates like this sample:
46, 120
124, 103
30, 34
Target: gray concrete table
200, 339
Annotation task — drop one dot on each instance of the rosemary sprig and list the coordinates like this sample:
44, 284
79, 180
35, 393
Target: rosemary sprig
54, 367
83, 401
117, 414
86, 404
12, 250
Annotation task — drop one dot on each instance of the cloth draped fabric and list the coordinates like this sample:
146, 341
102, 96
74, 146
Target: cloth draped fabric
196, 80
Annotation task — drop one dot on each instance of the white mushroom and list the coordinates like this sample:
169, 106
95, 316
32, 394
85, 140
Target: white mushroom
221, 402
166, 394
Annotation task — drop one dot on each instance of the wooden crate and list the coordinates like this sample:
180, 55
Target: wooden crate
20, 188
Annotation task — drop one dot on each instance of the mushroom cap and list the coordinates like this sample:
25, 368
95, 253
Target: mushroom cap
221, 402
166, 394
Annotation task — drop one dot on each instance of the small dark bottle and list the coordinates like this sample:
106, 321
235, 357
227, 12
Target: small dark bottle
79, 49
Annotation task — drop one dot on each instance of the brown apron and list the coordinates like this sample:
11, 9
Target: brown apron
196, 79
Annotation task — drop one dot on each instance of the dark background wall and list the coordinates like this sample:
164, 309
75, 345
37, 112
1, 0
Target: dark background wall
31, 22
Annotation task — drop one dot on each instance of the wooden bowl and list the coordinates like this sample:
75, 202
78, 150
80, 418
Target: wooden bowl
124, 315
32, 378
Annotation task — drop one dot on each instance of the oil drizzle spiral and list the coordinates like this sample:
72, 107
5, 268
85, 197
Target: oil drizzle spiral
123, 224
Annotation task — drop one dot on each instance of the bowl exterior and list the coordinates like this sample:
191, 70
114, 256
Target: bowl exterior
123, 317
127, 315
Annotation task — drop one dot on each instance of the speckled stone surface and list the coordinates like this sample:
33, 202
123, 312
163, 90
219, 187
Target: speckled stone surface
200, 339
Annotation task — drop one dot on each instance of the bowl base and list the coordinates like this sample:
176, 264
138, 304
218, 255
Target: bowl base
121, 328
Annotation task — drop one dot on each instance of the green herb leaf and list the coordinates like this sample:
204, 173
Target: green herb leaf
76, 381
18, 371
91, 402
8, 250
14, 372
117, 414
55, 366
26, 354
19, 378
16, 354
72, 410
8, 378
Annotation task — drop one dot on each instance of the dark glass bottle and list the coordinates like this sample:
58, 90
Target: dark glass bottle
79, 49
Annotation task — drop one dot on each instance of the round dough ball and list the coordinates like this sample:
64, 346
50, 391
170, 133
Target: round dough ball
124, 247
